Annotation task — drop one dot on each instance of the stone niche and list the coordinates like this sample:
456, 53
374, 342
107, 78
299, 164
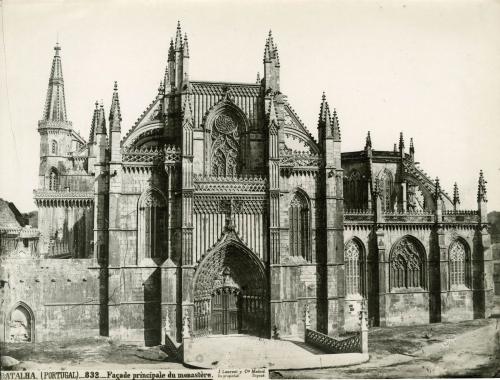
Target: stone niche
21, 325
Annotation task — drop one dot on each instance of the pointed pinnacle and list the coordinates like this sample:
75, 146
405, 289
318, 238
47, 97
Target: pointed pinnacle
258, 78
437, 189
186, 46
336, 125
456, 195
178, 37
277, 57
401, 141
101, 120
323, 110
481, 188
368, 141
171, 51
267, 52
115, 116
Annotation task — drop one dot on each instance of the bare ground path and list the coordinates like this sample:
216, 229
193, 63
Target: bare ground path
466, 349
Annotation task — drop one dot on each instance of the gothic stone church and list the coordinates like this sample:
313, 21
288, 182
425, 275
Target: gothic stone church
219, 205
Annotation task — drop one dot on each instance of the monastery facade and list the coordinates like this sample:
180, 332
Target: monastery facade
219, 206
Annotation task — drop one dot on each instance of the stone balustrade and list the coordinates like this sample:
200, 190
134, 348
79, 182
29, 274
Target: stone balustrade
357, 343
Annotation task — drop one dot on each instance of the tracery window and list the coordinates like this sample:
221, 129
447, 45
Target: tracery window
407, 265
353, 268
386, 189
53, 180
153, 224
459, 264
53, 147
298, 217
354, 191
225, 147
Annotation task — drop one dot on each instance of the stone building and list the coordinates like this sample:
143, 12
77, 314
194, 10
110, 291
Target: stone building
219, 205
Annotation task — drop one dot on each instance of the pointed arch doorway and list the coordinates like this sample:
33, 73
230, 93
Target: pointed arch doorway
230, 292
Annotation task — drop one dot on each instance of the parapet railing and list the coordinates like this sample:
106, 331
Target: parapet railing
244, 183
357, 343
460, 212
331, 345
150, 155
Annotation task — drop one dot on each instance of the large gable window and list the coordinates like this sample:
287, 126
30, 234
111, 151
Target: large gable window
225, 147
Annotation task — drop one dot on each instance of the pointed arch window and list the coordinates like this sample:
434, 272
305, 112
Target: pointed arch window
353, 258
53, 147
152, 225
387, 188
225, 147
53, 179
299, 217
459, 264
355, 191
407, 265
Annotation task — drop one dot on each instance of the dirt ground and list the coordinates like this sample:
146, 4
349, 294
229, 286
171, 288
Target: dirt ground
466, 349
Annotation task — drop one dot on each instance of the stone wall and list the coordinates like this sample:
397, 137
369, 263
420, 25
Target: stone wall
494, 219
62, 296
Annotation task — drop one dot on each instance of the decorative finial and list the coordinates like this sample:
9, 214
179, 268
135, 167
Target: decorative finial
258, 78
178, 37
401, 142
336, 125
395, 147
481, 188
114, 112
171, 51
276, 56
161, 88
324, 122
368, 141
437, 189
57, 48
456, 195
186, 46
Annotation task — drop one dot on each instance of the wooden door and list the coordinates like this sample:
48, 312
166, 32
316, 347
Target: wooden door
224, 313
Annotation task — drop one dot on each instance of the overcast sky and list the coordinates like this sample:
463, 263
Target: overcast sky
428, 68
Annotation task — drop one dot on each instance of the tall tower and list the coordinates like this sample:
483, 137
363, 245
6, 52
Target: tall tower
331, 200
55, 130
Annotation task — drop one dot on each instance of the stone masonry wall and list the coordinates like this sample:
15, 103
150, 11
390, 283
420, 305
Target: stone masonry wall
62, 295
